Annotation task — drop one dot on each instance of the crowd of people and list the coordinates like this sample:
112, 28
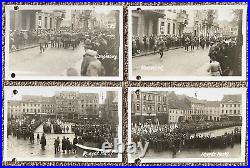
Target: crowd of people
104, 44
23, 127
96, 132
223, 55
154, 42
93, 132
222, 50
57, 126
184, 136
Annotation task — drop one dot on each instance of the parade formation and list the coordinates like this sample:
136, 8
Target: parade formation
211, 41
94, 132
97, 36
184, 136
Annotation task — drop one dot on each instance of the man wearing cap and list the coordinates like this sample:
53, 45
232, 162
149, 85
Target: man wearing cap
91, 66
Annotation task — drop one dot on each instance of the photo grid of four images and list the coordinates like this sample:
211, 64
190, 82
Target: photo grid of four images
86, 44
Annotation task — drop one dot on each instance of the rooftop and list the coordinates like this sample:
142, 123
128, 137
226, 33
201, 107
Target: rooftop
232, 98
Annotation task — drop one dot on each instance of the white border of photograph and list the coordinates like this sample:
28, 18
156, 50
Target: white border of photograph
188, 78
191, 160
8, 92
62, 7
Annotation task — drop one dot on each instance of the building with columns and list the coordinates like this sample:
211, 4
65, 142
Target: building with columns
36, 19
146, 22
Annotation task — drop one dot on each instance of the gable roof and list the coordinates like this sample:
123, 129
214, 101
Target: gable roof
232, 98
212, 104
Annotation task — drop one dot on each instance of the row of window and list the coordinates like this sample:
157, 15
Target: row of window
168, 28
152, 97
31, 105
230, 111
230, 105
31, 110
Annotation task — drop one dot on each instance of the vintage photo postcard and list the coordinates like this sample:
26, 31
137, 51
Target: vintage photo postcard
79, 124
74, 42
187, 43
170, 125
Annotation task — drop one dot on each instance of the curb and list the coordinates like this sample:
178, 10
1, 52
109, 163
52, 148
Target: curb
24, 48
151, 52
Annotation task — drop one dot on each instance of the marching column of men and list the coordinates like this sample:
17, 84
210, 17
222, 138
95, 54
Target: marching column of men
222, 50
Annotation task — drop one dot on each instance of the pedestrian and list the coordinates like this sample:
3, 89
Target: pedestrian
161, 48
214, 67
91, 66
32, 137
43, 142
67, 129
64, 144
68, 148
57, 145
75, 141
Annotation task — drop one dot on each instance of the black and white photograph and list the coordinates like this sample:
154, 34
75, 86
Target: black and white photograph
169, 125
191, 43
64, 42
62, 124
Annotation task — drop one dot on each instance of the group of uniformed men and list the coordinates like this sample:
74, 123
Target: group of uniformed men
95, 132
23, 127
184, 136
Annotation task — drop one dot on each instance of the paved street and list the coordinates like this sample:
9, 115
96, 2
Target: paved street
24, 149
177, 62
53, 62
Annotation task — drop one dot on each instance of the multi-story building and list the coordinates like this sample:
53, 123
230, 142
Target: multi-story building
14, 109
202, 23
36, 19
173, 22
212, 110
110, 111
31, 107
231, 107
70, 105
227, 28
76, 105
88, 104
49, 106
146, 22
83, 19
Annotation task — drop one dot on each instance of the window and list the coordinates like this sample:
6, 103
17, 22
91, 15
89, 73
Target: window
173, 28
168, 28
137, 107
46, 22
144, 97
162, 23
138, 96
235, 112
149, 97
50, 23
234, 105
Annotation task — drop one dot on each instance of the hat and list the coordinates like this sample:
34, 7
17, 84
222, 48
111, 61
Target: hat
91, 53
